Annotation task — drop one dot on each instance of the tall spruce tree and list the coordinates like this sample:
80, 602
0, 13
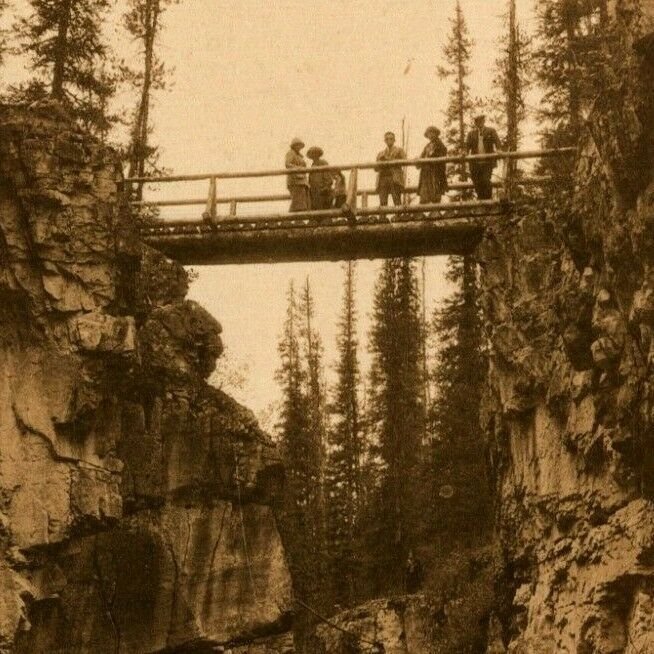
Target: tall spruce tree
457, 53
397, 417
463, 304
301, 513
3, 33
143, 21
511, 81
460, 491
567, 59
343, 474
69, 58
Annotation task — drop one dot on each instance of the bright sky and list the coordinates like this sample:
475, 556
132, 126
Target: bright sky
252, 74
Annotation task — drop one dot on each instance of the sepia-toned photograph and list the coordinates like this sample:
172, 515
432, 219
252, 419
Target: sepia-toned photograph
327, 326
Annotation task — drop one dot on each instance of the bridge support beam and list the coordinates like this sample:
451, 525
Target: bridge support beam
322, 243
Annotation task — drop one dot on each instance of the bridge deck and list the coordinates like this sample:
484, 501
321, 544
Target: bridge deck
355, 231
332, 239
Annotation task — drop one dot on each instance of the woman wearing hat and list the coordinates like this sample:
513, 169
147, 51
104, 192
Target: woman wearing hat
433, 176
297, 183
320, 183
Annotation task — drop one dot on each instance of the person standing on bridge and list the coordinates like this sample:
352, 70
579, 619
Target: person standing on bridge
320, 183
482, 140
297, 183
390, 179
433, 176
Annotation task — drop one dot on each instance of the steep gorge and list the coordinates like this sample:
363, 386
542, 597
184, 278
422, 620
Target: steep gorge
135, 499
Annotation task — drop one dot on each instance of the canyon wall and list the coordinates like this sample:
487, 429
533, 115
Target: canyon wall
568, 298
135, 499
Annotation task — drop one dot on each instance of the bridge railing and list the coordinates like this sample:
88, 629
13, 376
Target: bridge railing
354, 194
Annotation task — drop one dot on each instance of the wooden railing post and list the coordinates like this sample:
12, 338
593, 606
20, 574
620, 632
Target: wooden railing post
210, 213
232, 208
350, 206
364, 200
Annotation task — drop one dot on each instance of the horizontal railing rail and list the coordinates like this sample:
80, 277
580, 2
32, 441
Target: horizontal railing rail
281, 197
355, 200
373, 165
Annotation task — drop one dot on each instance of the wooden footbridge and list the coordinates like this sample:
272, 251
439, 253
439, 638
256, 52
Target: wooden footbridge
355, 230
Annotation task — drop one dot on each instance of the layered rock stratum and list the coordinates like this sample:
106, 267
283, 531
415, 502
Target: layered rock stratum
569, 309
135, 499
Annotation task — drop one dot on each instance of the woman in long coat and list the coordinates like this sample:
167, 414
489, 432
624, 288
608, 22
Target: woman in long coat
297, 183
433, 176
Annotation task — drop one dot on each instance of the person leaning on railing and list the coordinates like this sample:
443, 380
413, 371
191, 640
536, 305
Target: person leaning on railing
297, 183
433, 176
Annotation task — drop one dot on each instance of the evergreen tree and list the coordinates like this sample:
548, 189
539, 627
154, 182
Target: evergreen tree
511, 81
397, 416
570, 40
68, 58
301, 514
457, 53
460, 490
344, 476
3, 33
143, 21
457, 329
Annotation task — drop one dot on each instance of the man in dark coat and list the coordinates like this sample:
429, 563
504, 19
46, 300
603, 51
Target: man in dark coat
433, 177
320, 183
297, 183
390, 179
482, 140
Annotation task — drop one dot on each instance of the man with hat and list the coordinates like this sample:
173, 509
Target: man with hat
482, 140
320, 183
297, 183
433, 176
390, 179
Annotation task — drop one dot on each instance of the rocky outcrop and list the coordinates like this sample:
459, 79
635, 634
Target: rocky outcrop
406, 625
134, 498
569, 312
401, 625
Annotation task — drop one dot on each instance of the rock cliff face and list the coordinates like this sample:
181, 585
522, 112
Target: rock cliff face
134, 498
569, 307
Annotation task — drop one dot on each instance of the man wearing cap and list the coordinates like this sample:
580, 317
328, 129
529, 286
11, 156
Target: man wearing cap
433, 176
390, 179
320, 183
482, 140
297, 183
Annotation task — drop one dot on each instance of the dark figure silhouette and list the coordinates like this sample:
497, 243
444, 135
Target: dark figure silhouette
482, 140
433, 176
390, 180
413, 574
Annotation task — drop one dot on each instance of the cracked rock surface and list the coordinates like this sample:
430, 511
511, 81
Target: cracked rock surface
121, 469
569, 311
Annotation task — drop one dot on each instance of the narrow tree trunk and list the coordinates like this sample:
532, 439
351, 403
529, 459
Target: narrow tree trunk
461, 89
61, 49
512, 91
140, 132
